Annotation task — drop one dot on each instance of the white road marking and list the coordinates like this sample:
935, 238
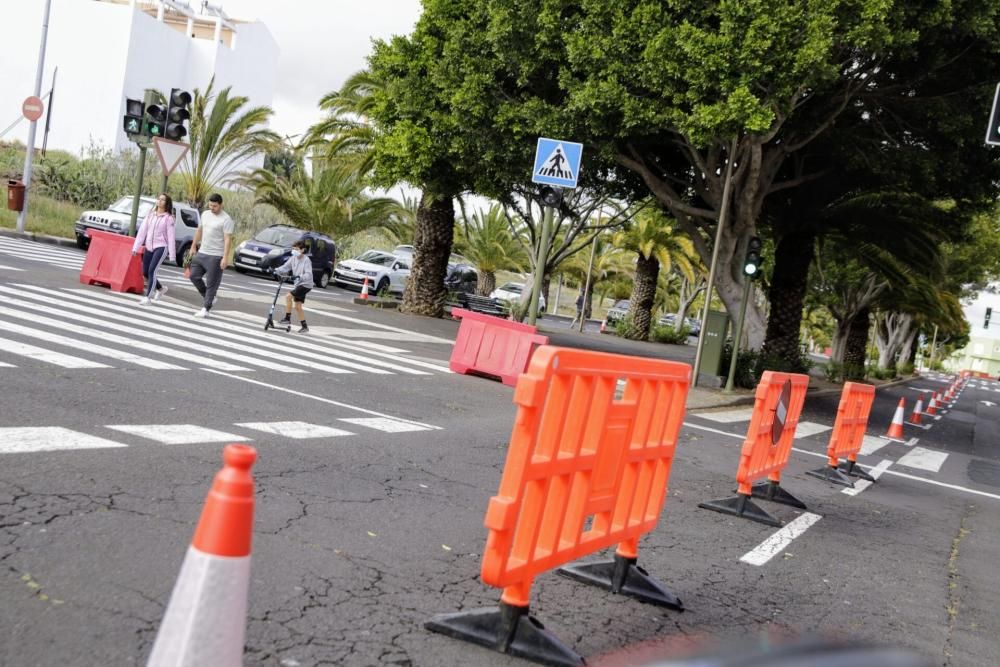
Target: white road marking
871, 444
412, 336
177, 434
295, 430
47, 356
727, 416
388, 425
806, 429
3, 365
862, 484
912, 441
108, 337
102, 320
777, 542
90, 347
321, 399
923, 459
19, 440
4, 267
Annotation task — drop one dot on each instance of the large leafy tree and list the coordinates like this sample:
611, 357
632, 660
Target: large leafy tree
225, 132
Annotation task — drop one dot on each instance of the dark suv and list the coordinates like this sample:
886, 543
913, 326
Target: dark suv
272, 246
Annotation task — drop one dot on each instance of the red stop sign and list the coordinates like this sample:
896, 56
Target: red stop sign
33, 108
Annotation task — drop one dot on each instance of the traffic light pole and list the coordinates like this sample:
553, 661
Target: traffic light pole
22, 216
738, 335
138, 189
543, 253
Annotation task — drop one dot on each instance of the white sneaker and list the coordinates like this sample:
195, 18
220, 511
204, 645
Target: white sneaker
144, 301
160, 293
202, 313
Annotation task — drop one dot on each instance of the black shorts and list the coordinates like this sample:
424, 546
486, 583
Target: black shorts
299, 293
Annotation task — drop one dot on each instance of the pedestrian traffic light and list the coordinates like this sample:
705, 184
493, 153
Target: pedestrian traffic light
134, 111
550, 196
751, 265
177, 114
156, 117
986, 322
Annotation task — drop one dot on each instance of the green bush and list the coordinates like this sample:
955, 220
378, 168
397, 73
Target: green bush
833, 371
800, 363
905, 369
625, 328
747, 362
668, 334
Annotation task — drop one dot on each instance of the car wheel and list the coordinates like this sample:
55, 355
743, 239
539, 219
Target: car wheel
180, 255
82, 242
383, 285
239, 269
324, 280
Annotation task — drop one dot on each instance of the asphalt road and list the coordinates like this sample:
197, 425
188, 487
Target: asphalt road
374, 472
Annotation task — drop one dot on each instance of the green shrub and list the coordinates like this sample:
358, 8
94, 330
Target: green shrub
833, 371
747, 362
668, 334
800, 363
625, 328
905, 369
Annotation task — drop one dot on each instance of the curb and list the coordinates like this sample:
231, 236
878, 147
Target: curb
39, 238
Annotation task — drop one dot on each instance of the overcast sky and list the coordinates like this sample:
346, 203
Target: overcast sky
322, 42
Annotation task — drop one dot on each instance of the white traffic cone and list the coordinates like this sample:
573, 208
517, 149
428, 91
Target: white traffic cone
205, 622
896, 427
917, 409
364, 289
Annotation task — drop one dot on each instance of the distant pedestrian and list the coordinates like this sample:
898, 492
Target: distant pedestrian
300, 268
579, 310
211, 249
156, 236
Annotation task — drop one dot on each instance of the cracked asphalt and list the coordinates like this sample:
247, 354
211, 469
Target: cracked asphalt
360, 540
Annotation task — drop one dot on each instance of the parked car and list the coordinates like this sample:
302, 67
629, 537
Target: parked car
617, 312
462, 276
511, 292
693, 325
384, 271
272, 246
116, 218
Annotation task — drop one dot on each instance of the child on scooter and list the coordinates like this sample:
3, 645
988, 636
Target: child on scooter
299, 267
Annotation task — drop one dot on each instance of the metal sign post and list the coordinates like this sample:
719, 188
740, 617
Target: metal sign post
993, 129
22, 217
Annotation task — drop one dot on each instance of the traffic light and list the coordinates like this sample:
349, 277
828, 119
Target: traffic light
986, 322
177, 114
134, 111
156, 117
550, 196
751, 265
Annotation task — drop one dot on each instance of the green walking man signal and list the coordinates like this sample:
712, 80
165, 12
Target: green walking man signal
150, 119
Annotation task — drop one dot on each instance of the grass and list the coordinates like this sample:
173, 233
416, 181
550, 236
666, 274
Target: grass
45, 216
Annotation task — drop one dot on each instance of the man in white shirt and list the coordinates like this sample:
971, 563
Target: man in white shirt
211, 245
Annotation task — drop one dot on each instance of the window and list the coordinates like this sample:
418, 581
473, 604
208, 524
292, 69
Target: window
376, 257
189, 218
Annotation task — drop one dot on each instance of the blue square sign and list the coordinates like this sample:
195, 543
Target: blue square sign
557, 162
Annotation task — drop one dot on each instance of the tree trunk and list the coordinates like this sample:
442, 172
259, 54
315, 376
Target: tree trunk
643, 294
425, 292
856, 347
546, 286
839, 342
789, 279
486, 283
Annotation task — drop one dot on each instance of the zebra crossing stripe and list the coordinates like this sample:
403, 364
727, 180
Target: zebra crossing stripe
295, 430
388, 425
47, 356
3, 365
333, 347
21, 440
102, 321
89, 347
4, 267
177, 434
923, 459
109, 337
263, 344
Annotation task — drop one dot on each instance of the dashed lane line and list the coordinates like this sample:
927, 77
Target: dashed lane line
780, 540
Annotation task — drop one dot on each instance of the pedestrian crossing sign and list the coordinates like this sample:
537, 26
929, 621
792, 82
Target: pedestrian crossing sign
557, 162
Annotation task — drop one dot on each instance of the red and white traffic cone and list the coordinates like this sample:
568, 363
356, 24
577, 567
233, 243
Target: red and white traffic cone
917, 409
932, 407
896, 427
364, 289
205, 622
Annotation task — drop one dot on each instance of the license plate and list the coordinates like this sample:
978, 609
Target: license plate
249, 261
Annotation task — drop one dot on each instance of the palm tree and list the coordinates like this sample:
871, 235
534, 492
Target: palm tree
611, 266
652, 238
224, 133
400, 226
486, 239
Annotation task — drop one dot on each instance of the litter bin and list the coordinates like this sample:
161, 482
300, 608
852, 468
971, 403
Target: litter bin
714, 331
15, 195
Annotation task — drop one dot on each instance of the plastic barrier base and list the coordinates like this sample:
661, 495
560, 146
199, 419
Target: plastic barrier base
831, 474
771, 490
741, 506
850, 468
507, 629
623, 576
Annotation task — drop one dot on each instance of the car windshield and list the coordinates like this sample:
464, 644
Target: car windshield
278, 236
621, 305
512, 287
376, 257
124, 205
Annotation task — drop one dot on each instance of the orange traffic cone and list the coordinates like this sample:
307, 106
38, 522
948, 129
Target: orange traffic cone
917, 409
205, 622
364, 289
896, 427
932, 406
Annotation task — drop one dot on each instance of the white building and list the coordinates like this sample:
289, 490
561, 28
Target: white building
982, 354
110, 50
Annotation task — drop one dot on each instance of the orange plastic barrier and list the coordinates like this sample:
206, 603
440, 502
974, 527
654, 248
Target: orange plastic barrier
848, 435
110, 262
493, 346
587, 468
766, 449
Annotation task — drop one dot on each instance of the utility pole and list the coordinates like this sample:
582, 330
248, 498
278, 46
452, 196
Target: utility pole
543, 253
22, 217
586, 285
48, 112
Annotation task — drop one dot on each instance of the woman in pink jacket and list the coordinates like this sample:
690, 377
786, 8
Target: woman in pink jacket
156, 234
